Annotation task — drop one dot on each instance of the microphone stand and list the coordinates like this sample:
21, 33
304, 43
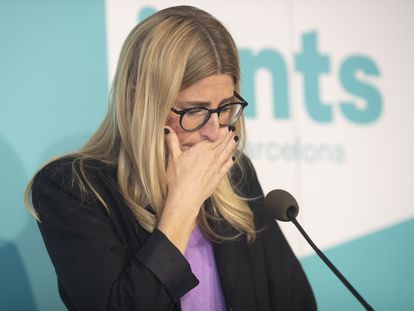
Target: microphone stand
291, 216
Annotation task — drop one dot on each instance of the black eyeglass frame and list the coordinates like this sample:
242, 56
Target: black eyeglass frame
218, 110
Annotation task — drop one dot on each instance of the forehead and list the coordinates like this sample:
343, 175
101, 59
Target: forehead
212, 89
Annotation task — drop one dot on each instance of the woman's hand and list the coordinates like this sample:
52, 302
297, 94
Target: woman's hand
193, 175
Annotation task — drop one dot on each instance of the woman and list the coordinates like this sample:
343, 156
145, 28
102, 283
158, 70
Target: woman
160, 210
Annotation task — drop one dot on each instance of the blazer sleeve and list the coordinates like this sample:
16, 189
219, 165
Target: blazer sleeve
95, 270
289, 288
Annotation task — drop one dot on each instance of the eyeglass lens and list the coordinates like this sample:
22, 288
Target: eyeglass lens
196, 117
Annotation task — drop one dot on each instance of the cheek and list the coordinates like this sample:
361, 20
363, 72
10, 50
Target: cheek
174, 123
186, 139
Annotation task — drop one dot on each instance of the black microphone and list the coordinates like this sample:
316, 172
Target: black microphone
281, 205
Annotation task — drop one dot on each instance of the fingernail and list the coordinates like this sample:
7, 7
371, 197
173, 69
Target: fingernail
233, 158
166, 131
231, 128
236, 138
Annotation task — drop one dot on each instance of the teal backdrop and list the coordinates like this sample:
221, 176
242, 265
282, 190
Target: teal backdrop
54, 88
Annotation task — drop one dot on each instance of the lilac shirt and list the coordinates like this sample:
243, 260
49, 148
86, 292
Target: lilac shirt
207, 295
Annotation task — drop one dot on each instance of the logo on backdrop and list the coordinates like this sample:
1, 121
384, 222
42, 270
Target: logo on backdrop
311, 64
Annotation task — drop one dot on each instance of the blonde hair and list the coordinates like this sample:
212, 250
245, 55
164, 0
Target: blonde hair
164, 54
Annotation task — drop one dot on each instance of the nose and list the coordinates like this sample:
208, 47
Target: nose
211, 130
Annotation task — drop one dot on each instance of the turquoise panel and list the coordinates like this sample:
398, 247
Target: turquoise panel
379, 266
53, 94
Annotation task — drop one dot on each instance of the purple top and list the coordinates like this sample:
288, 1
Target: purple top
207, 295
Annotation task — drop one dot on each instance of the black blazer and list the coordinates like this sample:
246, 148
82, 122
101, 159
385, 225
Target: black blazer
107, 261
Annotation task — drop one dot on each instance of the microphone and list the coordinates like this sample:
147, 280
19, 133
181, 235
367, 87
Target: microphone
281, 205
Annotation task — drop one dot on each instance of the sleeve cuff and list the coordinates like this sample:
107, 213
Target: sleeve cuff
167, 263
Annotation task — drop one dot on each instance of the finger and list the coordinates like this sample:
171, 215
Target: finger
226, 166
227, 153
173, 144
224, 137
231, 138
228, 146
213, 145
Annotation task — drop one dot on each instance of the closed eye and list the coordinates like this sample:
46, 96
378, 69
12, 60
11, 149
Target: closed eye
226, 107
195, 111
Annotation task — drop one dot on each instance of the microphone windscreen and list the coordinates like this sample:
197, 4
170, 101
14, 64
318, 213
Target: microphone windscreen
281, 205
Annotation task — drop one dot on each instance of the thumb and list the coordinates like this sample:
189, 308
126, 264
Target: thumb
173, 144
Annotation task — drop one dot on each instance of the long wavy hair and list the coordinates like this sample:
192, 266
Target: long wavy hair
164, 54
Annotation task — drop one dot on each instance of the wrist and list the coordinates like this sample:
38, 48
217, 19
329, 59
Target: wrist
177, 221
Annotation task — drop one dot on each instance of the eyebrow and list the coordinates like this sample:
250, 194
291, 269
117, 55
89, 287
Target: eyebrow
204, 103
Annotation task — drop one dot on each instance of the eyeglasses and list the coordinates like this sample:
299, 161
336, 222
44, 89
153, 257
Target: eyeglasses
193, 119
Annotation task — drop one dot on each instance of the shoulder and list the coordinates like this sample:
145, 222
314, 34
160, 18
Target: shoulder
244, 179
71, 175
244, 164
246, 184
64, 170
